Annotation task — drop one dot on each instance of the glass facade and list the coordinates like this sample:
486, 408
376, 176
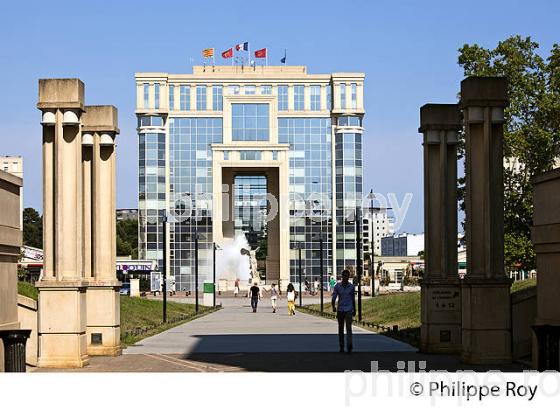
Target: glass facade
201, 98
217, 98
151, 194
184, 98
190, 172
171, 97
310, 192
250, 122
315, 97
299, 97
348, 169
156, 96
324, 162
282, 98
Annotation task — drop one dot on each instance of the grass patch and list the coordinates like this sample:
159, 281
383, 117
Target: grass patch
28, 289
141, 318
523, 284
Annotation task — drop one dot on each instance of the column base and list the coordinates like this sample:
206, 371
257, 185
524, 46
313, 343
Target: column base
486, 317
441, 316
103, 332
62, 324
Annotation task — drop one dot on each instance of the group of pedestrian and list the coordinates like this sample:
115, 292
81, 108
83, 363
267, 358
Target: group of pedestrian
255, 295
343, 291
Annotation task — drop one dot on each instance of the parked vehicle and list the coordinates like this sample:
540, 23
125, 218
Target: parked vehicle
125, 289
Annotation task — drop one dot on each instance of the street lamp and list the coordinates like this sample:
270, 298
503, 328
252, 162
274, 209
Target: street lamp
214, 249
320, 239
359, 248
371, 197
164, 279
299, 246
195, 238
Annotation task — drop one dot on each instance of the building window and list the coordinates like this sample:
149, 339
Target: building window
184, 98
329, 97
266, 89
342, 96
274, 155
350, 121
282, 98
233, 89
250, 122
353, 97
298, 97
171, 97
250, 155
201, 98
315, 97
150, 121
156, 95
217, 98
250, 90
146, 95
226, 155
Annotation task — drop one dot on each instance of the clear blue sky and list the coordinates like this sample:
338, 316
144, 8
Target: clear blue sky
407, 49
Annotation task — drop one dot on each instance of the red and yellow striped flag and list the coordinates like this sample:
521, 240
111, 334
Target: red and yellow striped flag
208, 52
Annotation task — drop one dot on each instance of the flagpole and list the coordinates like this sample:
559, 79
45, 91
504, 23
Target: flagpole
266, 56
248, 53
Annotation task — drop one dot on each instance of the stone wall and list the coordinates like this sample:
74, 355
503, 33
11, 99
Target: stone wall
10, 247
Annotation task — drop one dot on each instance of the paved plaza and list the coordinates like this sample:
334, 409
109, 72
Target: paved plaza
235, 339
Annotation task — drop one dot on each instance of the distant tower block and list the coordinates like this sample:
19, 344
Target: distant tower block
486, 317
62, 291
441, 292
103, 304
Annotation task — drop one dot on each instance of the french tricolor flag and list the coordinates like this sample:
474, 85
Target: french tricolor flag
242, 46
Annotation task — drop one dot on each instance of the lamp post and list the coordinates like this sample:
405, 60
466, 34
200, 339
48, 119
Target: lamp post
164, 279
299, 247
372, 208
196, 272
359, 248
321, 267
214, 249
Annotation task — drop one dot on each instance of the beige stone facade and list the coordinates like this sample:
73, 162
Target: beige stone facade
10, 243
78, 292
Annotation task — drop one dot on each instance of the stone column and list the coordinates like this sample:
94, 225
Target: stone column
486, 317
62, 298
103, 303
546, 238
441, 292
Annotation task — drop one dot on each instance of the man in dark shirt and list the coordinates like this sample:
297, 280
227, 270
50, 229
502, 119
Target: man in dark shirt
255, 294
346, 309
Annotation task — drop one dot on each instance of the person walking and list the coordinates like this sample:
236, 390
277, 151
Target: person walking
291, 296
344, 291
273, 296
332, 284
255, 293
236, 288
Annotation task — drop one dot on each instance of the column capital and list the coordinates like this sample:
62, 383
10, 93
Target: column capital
61, 93
102, 119
484, 92
440, 117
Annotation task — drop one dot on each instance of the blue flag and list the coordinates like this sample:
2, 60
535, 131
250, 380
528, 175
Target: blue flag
283, 59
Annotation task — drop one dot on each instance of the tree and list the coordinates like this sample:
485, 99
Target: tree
531, 134
32, 228
127, 238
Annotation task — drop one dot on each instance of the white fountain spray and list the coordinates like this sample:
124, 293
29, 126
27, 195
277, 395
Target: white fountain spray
230, 263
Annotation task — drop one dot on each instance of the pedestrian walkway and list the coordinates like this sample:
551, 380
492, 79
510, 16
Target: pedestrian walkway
236, 329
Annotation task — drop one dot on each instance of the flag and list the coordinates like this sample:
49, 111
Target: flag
283, 59
260, 53
228, 53
208, 52
242, 46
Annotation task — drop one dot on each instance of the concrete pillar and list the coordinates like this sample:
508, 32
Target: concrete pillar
62, 301
486, 317
441, 296
546, 238
103, 303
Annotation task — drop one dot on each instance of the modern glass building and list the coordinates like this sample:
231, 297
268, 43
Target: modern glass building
274, 153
